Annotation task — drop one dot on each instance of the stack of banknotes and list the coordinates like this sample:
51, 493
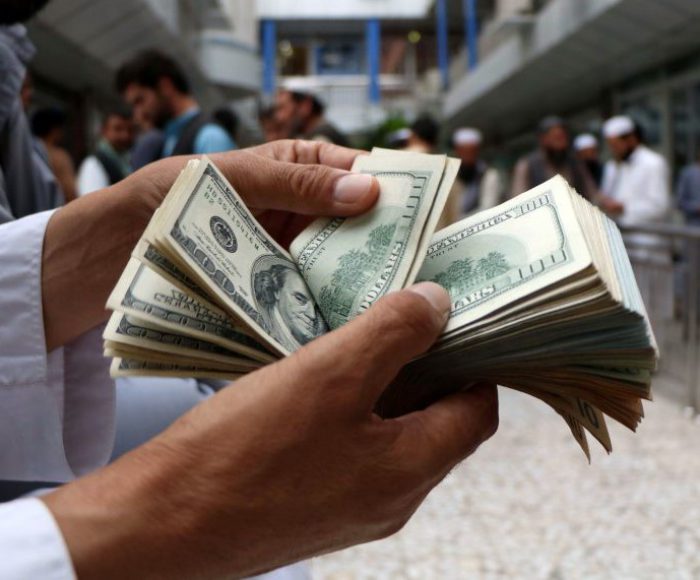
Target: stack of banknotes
544, 299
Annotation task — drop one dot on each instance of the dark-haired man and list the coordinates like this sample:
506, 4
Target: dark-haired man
110, 161
158, 91
49, 127
425, 132
301, 114
553, 156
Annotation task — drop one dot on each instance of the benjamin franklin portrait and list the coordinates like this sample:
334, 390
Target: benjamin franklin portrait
285, 303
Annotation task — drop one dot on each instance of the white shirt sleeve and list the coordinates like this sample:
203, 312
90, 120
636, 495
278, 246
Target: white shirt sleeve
608, 178
31, 544
57, 408
654, 202
91, 176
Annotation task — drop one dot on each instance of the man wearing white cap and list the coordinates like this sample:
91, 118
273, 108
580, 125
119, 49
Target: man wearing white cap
478, 186
635, 186
586, 147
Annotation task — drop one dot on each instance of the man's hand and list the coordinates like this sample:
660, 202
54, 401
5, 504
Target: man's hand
287, 463
611, 206
287, 183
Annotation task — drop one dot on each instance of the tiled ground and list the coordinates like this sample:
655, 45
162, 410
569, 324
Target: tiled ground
528, 505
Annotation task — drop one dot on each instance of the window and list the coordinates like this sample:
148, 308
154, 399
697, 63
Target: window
340, 57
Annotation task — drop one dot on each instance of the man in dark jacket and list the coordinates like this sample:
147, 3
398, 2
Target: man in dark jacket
553, 156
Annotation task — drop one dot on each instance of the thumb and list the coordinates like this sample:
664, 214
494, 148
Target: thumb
365, 355
304, 189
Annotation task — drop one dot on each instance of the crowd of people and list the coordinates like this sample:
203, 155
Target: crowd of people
632, 187
282, 465
160, 117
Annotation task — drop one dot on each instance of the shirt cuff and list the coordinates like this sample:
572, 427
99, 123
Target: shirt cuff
57, 408
23, 357
31, 544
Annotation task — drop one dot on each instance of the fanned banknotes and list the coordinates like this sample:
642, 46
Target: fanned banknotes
544, 299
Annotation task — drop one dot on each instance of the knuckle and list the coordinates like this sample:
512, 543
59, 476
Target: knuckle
390, 528
492, 421
488, 415
308, 181
285, 150
304, 151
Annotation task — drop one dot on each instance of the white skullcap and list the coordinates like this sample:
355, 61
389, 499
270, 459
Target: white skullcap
303, 86
585, 141
296, 84
467, 136
618, 126
400, 134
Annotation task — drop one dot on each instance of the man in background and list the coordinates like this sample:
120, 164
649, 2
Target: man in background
688, 192
424, 136
636, 188
553, 156
110, 161
228, 120
301, 115
158, 91
479, 185
636, 180
49, 128
270, 127
586, 147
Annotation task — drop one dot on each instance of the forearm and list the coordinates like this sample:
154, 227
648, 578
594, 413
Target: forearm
163, 510
116, 523
87, 244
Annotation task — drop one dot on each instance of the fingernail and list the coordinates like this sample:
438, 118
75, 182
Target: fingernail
437, 296
352, 187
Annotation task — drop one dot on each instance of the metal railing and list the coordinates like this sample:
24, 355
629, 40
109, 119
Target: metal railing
666, 262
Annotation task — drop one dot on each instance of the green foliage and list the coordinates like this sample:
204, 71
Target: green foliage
378, 136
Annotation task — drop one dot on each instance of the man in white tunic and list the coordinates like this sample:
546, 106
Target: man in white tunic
478, 184
636, 187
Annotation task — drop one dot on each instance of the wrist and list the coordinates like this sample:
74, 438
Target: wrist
128, 520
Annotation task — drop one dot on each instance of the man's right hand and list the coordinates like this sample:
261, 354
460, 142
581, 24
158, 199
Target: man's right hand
287, 463
611, 206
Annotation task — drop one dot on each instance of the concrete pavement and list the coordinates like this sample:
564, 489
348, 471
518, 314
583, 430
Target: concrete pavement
529, 506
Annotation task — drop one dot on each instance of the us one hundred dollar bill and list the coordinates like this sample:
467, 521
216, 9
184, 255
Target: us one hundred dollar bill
544, 299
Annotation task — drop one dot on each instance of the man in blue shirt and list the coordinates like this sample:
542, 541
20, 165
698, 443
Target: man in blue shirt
688, 193
154, 85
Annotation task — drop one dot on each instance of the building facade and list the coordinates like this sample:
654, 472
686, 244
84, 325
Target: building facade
366, 59
585, 60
